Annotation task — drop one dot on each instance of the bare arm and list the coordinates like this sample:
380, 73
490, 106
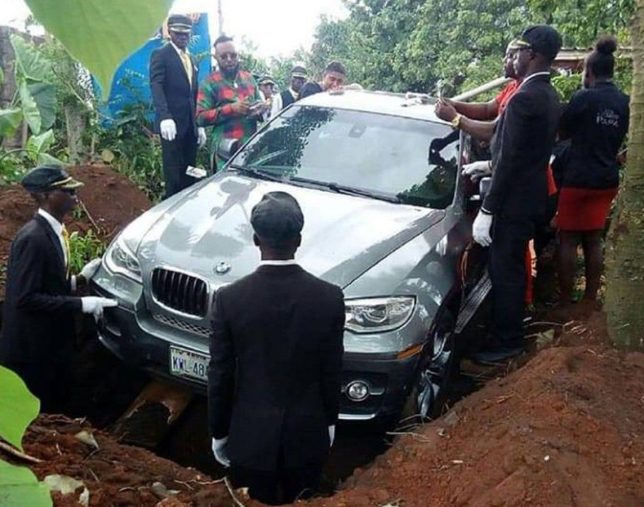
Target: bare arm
483, 111
481, 130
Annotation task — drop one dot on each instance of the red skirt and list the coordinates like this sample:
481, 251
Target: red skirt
584, 209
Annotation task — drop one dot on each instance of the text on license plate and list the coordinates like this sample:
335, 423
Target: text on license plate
185, 363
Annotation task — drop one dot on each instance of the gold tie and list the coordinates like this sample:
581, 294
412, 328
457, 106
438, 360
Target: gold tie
187, 65
65, 235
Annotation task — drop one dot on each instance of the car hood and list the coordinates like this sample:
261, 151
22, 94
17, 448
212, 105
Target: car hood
343, 236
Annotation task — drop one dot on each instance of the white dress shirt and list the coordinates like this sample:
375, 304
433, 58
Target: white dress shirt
285, 262
58, 229
277, 105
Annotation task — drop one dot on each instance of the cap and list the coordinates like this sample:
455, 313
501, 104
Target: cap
179, 23
266, 80
298, 71
277, 217
46, 178
542, 39
515, 44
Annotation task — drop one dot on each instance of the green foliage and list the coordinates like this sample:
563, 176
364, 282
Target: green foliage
624, 75
581, 23
20, 487
100, 34
44, 95
19, 407
129, 144
566, 85
83, 248
9, 121
36, 95
12, 167
31, 64
402, 45
30, 111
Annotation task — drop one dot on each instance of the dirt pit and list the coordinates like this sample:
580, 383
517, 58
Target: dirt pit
566, 429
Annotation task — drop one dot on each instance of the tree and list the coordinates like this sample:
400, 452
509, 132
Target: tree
402, 45
624, 263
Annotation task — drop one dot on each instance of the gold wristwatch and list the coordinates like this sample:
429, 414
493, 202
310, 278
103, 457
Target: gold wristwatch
456, 121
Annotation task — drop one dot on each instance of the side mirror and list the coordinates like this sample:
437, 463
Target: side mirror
227, 148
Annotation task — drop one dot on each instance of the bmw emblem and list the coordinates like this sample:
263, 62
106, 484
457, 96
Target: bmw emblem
222, 268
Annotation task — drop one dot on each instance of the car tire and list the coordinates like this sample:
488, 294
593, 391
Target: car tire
434, 374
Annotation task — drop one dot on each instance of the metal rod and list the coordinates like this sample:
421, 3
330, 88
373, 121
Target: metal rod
491, 85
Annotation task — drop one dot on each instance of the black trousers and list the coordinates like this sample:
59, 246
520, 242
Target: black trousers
507, 272
284, 485
178, 154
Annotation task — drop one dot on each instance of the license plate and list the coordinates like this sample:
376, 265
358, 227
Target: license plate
186, 363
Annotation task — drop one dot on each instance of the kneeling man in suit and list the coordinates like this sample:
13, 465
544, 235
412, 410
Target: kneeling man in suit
275, 361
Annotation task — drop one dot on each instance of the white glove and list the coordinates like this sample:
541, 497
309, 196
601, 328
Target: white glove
95, 305
168, 130
481, 229
220, 452
331, 435
90, 269
476, 170
201, 137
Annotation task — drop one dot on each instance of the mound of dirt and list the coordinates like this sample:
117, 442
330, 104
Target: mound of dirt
115, 474
110, 200
566, 429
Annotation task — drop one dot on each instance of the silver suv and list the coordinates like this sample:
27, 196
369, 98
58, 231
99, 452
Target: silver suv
376, 176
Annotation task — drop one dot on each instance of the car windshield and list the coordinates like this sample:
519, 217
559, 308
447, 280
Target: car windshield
374, 155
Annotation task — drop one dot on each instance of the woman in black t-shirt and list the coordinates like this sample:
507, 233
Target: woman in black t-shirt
596, 121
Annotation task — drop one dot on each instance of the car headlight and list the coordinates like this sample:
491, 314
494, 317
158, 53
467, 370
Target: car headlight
120, 259
376, 315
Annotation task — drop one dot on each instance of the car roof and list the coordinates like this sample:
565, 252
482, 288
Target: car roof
394, 104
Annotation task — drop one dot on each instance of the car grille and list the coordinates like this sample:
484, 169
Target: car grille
180, 324
179, 291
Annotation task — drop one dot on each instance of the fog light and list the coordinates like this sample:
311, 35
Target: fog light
357, 390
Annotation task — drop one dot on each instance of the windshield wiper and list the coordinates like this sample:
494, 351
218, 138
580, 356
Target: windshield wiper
347, 190
257, 173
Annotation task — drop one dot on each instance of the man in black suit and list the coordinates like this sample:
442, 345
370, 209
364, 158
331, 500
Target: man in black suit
275, 361
173, 80
521, 147
38, 327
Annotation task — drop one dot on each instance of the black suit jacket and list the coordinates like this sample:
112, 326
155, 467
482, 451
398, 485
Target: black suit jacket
173, 96
521, 147
38, 309
275, 362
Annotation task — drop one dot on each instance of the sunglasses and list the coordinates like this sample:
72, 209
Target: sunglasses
228, 56
68, 191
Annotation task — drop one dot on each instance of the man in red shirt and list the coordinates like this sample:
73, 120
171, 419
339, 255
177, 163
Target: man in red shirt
228, 99
477, 119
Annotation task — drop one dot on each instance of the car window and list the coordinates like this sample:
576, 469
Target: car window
413, 160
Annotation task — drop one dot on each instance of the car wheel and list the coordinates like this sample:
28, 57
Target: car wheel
435, 372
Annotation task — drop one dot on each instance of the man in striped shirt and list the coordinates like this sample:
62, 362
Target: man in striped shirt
228, 99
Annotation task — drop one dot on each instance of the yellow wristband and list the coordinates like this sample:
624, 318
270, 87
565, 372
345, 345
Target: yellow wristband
456, 121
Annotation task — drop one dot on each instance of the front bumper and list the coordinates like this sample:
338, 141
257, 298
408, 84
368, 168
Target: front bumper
137, 339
